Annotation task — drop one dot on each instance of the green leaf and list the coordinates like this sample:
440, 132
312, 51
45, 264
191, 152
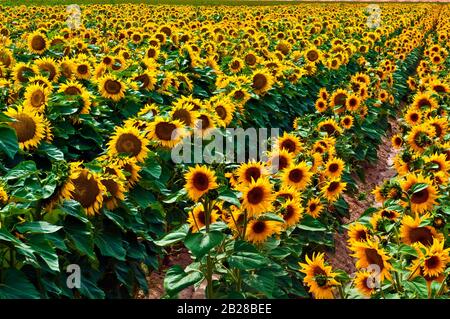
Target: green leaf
262, 281
201, 243
44, 249
142, 197
16, 285
51, 151
273, 217
39, 227
177, 279
175, 197
418, 286
174, 236
229, 197
89, 289
419, 187
152, 167
246, 257
8, 141
115, 218
110, 244
24, 169
81, 238
73, 208
311, 224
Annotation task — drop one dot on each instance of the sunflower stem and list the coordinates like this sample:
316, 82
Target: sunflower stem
441, 288
341, 292
209, 265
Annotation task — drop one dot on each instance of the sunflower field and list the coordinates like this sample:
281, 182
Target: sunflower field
96, 98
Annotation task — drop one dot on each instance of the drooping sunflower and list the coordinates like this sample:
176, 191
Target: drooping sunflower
130, 141
412, 231
292, 212
197, 218
333, 189
251, 171
110, 87
259, 230
369, 253
290, 143
36, 97
262, 81
334, 167
421, 200
297, 175
330, 127
257, 197
199, 181
29, 126
37, 42
314, 207
149, 110
320, 277
167, 133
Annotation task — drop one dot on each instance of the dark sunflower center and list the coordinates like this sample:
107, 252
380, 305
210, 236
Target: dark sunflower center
151, 53
164, 131
183, 116
340, 99
259, 81
200, 181
221, 111
72, 90
238, 95
333, 186
37, 98
259, 227
289, 145
38, 43
432, 262
113, 86
414, 117
235, 65
289, 213
422, 235
204, 122
423, 102
250, 59
144, 79
361, 235
201, 218
373, 258
296, 175
25, 127
328, 128
255, 195
82, 69
333, 168
111, 186
252, 172
282, 162
86, 190
312, 207
437, 129
420, 197
129, 143
312, 55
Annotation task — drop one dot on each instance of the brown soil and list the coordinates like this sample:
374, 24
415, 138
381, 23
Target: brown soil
374, 175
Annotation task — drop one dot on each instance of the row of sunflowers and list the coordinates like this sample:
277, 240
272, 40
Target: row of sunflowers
401, 246
92, 108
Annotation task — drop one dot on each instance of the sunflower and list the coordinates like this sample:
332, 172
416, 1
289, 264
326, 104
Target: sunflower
397, 141
184, 113
357, 232
361, 78
29, 126
333, 189
437, 163
312, 55
149, 109
36, 97
420, 137
37, 42
352, 103
424, 199
347, 122
424, 100
413, 117
330, 127
85, 187
338, 100
314, 207
48, 67
251, 171
320, 277
278, 160
412, 231
236, 65
297, 175
321, 105
197, 218
434, 258
262, 81
290, 143
110, 87
22, 72
365, 282
199, 181
146, 79
82, 70
168, 133
334, 167
224, 108
369, 253
130, 141
205, 123
292, 212
440, 125
259, 230
257, 197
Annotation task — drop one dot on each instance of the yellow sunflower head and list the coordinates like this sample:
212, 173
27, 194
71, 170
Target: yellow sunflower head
199, 181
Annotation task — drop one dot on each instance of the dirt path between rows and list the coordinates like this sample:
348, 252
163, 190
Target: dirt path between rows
375, 174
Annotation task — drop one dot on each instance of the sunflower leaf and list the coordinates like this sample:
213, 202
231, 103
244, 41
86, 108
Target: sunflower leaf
8, 141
